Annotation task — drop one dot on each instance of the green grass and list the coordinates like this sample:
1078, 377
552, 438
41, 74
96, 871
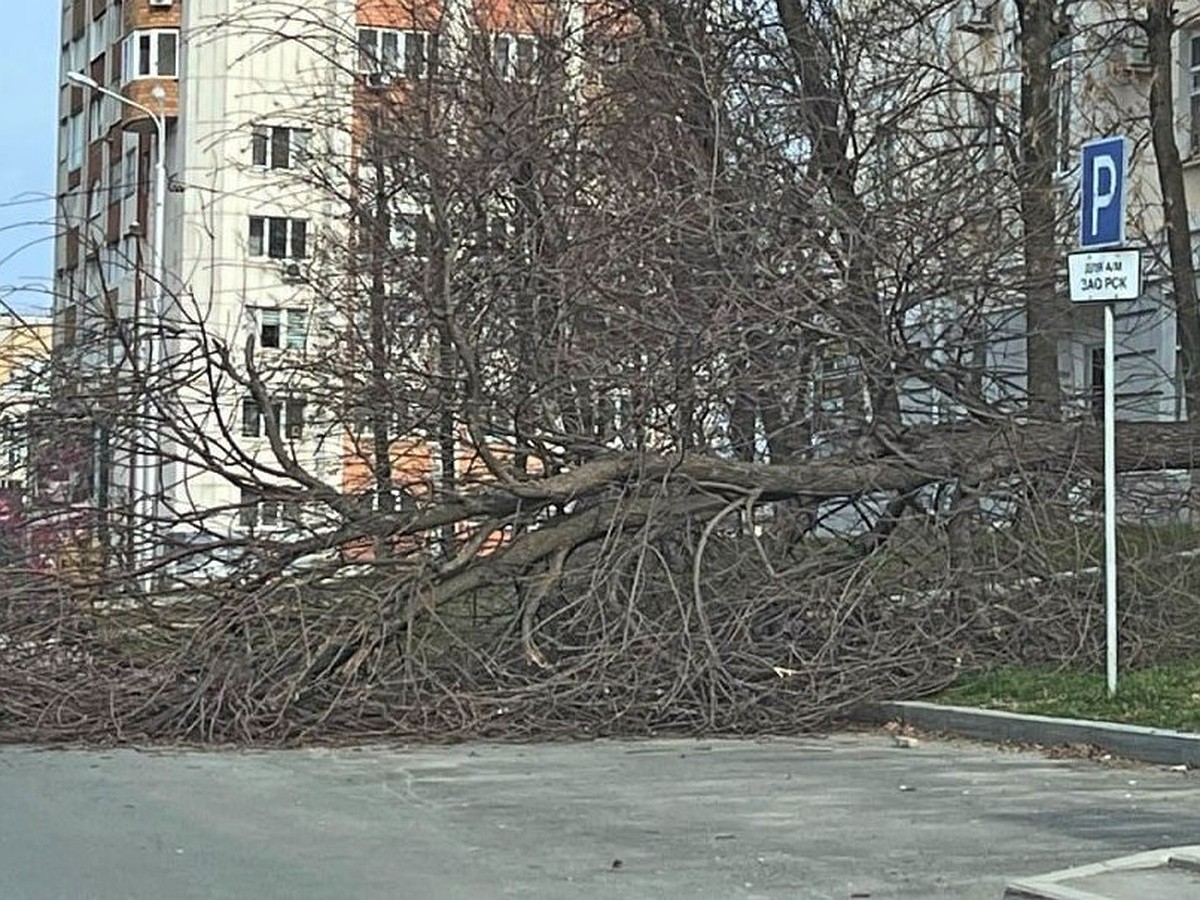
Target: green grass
1165, 696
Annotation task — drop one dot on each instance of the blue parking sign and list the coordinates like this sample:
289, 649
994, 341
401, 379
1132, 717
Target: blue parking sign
1102, 192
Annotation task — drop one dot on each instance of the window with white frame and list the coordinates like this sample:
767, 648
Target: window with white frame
113, 264
279, 147
98, 35
75, 141
94, 205
75, 56
281, 329
392, 53
278, 237
116, 24
129, 251
129, 182
96, 124
514, 56
93, 283
288, 415
114, 174
255, 510
153, 53
110, 110
1060, 90
295, 332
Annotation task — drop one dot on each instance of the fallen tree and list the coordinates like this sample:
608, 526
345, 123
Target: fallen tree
656, 598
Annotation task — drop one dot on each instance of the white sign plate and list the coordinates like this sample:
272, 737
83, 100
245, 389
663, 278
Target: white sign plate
1101, 276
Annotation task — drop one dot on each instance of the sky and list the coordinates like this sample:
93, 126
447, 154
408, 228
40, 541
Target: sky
28, 136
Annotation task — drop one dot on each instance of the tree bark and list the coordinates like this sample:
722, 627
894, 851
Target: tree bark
830, 125
379, 391
1039, 32
1160, 29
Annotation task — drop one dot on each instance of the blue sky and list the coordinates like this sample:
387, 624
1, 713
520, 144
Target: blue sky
28, 136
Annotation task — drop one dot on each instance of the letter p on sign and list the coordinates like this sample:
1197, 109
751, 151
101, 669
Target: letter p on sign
1102, 193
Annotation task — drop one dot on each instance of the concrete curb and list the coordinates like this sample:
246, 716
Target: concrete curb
1056, 886
1153, 745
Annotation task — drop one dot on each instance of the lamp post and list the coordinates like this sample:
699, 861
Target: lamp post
148, 489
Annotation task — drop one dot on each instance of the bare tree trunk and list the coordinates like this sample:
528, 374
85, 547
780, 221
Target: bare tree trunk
446, 385
1160, 29
830, 123
379, 392
1039, 32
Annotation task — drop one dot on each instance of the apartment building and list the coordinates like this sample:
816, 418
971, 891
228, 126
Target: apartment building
1100, 86
24, 363
263, 108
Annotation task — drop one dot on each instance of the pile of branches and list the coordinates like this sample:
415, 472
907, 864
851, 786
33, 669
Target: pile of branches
623, 646
680, 604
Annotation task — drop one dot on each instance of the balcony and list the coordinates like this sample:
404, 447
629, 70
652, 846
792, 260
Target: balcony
150, 75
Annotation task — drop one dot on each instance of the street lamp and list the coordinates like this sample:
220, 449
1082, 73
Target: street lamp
149, 486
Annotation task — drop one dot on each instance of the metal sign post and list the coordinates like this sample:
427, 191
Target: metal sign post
1106, 276
1110, 499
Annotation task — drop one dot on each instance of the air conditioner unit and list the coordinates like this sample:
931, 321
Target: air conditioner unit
378, 79
161, 2
978, 16
292, 273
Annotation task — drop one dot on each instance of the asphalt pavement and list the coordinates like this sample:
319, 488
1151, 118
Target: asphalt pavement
850, 816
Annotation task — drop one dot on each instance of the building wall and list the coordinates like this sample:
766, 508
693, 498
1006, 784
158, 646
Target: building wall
237, 65
1101, 71
24, 357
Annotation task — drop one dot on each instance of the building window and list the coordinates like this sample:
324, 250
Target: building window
113, 265
14, 439
254, 509
151, 54
98, 36
248, 509
282, 328
514, 56
116, 24
268, 328
294, 420
130, 181
114, 175
94, 207
275, 147
96, 123
296, 335
75, 141
288, 415
1060, 88
390, 54
276, 237
410, 233
251, 418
